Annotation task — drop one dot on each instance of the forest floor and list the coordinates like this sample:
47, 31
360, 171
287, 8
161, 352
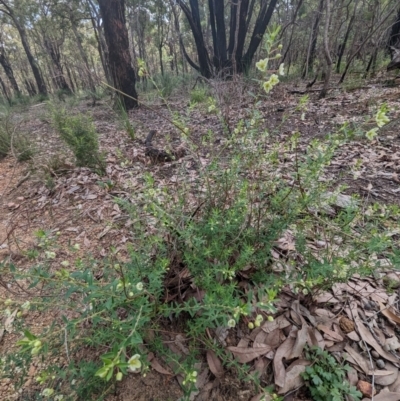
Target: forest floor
71, 203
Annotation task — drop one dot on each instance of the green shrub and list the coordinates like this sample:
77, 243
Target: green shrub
326, 378
14, 142
199, 95
166, 84
79, 133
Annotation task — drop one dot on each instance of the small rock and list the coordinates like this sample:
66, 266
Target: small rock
366, 389
375, 354
380, 363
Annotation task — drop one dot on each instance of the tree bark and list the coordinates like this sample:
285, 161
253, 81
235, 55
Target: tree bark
309, 63
53, 50
261, 25
4, 90
394, 38
25, 44
327, 52
351, 58
119, 58
193, 16
9, 72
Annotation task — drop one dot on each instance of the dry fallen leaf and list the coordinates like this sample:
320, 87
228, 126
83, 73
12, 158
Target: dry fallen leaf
281, 353
10, 320
362, 363
157, 367
214, 364
369, 339
293, 379
387, 396
389, 314
330, 334
300, 342
245, 355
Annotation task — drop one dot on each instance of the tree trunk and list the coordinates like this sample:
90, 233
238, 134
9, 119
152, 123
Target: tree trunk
119, 58
292, 22
53, 50
25, 44
4, 90
327, 52
217, 21
367, 37
9, 72
82, 53
259, 29
309, 63
342, 46
193, 17
71, 82
30, 87
394, 38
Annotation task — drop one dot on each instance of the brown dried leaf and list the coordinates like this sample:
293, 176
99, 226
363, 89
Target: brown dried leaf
214, 364
353, 336
293, 379
360, 360
387, 396
325, 297
315, 338
390, 315
245, 355
369, 339
300, 342
157, 366
330, 334
279, 323
279, 369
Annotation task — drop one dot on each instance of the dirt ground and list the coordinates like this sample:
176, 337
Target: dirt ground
74, 205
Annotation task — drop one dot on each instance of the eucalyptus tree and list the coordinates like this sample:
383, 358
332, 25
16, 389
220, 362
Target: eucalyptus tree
51, 28
8, 70
228, 54
119, 58
15, 11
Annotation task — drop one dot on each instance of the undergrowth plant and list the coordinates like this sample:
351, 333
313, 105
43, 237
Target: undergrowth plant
326, 378
201, 258
12, 141
79, 133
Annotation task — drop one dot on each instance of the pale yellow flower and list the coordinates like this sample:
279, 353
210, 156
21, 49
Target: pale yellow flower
281, 70
262, 64
274, 79
371, 134
47, 392
381, 118
267, 86
134, 363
